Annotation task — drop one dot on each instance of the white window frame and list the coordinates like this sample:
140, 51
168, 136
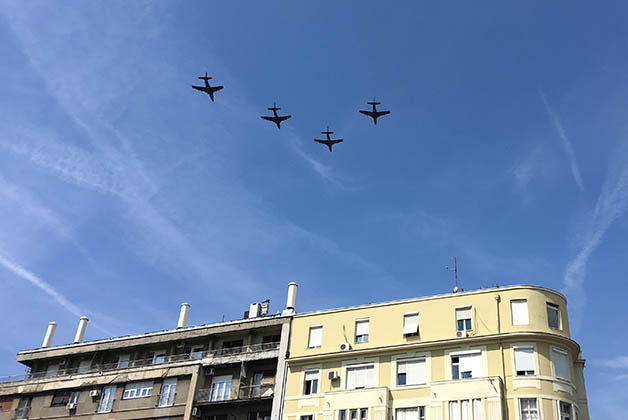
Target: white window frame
571, 409
364, 337
159, 354
566, 354
309, 337
168, 392
464, 353
106, 400
360, 366
142, 389
316, 381
528, 410
420, 412
470, 405
410, 360
222, 393
520, 316
409, 329
514, 359
464, 324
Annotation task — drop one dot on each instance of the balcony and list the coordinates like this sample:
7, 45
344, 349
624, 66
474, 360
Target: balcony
21, 413
245, 393
217, 356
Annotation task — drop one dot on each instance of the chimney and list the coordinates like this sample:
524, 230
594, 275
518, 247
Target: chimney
80, 331
292, 296
183, 315
50, 331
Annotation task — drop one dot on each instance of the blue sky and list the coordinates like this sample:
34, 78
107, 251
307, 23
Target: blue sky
123, 192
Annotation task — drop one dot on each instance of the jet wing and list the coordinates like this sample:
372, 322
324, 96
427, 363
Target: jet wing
284, 117
264, 117
202, 89
380, 113
369, 113
217, 88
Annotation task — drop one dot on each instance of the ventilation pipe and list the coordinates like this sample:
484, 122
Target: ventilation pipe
50, 332
292, 296
183, 315
80, 331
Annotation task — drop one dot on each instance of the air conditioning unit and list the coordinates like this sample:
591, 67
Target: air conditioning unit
333, 375
94, 393
71, 406
196, 412
345, 347
461, 334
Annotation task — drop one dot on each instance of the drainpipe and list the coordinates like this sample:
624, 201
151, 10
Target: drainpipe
501, 352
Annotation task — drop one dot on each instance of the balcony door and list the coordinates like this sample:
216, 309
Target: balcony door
221, 388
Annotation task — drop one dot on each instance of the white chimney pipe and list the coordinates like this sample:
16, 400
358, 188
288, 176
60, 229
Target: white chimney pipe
292, 296
80, 331
183, 315
50, 331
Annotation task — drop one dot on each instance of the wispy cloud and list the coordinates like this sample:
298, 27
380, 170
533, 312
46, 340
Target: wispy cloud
611, 204
567, 146
45, 287
525, 169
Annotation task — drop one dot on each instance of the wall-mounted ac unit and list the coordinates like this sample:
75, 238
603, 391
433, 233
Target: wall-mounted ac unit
345, 347
333, 375
196, 412
94, 393
461, 334
71, 406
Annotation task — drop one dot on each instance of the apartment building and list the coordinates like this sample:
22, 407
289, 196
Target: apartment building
496, 354
225, 371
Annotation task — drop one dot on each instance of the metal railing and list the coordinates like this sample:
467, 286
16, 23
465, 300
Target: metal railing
244, 393
105, 367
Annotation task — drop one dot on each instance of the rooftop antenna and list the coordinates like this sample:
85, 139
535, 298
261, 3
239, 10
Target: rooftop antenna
455, 270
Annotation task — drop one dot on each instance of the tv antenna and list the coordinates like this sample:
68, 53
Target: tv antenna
455, 270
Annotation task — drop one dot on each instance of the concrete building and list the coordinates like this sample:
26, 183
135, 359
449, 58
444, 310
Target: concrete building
496, 354
225, 371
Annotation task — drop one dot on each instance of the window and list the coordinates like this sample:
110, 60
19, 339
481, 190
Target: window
342, 414
529, 409
411, 324
168, 389
410, 372
52, 369
519, 310
62, 398
310, 385
316, 336
158, 357
362, 331
465, 366
466, 410
360, 377
85, 366
463, 318
364, 413
123, 361
232, 344
271, 339
524, 361
257, 415
6, 401
308, 417
561, 368
414, 413
565, 411
138, 390
221, 388
106, 401
552, 316
196, 352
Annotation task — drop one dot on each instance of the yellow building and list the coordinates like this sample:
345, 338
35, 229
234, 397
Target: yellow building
502, 353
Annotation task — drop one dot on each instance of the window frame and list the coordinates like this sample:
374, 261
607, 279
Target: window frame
420, 409
105, 405
516, 347
362, 338
512, 312
406, 360
406, 330
467, 326
309, 336
457, 354
561, 415
521, 408
171, 392
71, 396
365, 365
566, 354
553, 306
313, 388
137, 389
227, 388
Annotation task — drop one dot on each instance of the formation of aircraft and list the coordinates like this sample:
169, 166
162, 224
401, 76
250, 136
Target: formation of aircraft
328, 141
278, 119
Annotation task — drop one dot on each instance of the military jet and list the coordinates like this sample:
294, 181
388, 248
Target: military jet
375, 114
276, 118
329, 142
210, 90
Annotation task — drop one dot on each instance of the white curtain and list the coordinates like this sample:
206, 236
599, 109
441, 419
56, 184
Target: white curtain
316, 336
519, 309
524, 358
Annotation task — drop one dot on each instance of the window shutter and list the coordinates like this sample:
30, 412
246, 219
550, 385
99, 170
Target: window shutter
463, 313
351, 376
368, 376
519, 309
416, 372
524, 359
401, 367
311, 375
560, 364
471, 363
316, 336
411, 323
362, 327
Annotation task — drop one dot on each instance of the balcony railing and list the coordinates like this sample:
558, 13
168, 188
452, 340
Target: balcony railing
245, 393
105, 367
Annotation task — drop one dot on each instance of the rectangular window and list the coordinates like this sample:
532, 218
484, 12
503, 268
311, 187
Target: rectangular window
159, 357
123, 361
561, 368
353, 414
519, 310
364, 413
138, 390
310, 385
6, 401
308, 417
232, 344
524, 361
465, 366
360, 377
62, 398
478, 410
196, 352
316, 336
106, 401
52, 369
410, 372
463, 319
413, 413
466, 410
85, 366
168, 389
552, 315
454, 410
342, 414
529, 409
221, 388
411, 324
362, 331
565, 411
